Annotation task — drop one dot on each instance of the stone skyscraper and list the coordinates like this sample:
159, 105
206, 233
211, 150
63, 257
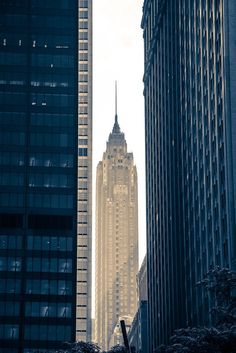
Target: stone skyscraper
190, 116
84, 199
116, 237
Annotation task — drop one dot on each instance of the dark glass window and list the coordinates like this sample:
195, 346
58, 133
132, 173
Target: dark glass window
13, 179
12, 138
53, 41
12, 59
51, 160
51, 80
9, 308
46, 287
45, 139
50, 201
52, 22
12, 79
35, 264
10, 264
9, 331
10, 285
56, 222
49, 243
11, 199
45, 309
52, 100
39, 119
10, 242
11, 158
53, 4
50, 180
53, 60
12, 19
48, 332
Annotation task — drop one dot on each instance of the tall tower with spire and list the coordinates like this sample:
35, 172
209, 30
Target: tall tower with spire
116, 236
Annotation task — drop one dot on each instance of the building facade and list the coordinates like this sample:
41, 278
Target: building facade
138, 333
116, 237
39, 174
189, 82
84, 204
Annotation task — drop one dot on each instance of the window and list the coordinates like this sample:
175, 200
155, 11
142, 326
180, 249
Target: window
52, 100
46, 287
50, 180
48, 333
10, 285
83, 152
49, 265
8, 308
51, 160
51, 201
9, 332
49, 243
10, 264
11, 158
11, 199
45, 309
51, 61
10, 242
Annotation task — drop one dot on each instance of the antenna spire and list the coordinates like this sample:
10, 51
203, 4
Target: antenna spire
116, 117
116, 128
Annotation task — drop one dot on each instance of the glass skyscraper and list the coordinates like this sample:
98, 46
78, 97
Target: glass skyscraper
39, 150
189, 88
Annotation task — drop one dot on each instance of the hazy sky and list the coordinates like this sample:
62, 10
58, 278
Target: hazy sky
118, 55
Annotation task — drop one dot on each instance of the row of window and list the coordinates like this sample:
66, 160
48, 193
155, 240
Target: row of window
45, 60
8, 308
38, 119
36, 286
45, 21
8, 199
12, 59
51, 100
61, 120
11, 40
37, 99
11, 179
50, 180
10, 242
51, 201
55, 5
45, 309
37, 332
46, 139
48, 287
37, 180
48, 333
38, 159
12, 138
36, 264
48, 243
56, 265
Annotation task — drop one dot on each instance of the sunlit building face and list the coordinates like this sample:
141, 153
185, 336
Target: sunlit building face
116, 238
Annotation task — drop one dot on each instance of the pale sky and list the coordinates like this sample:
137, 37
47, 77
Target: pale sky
118, 55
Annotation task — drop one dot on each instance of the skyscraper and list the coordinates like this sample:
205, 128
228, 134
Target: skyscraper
116, 237
189, 84
84, 245
39, 173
